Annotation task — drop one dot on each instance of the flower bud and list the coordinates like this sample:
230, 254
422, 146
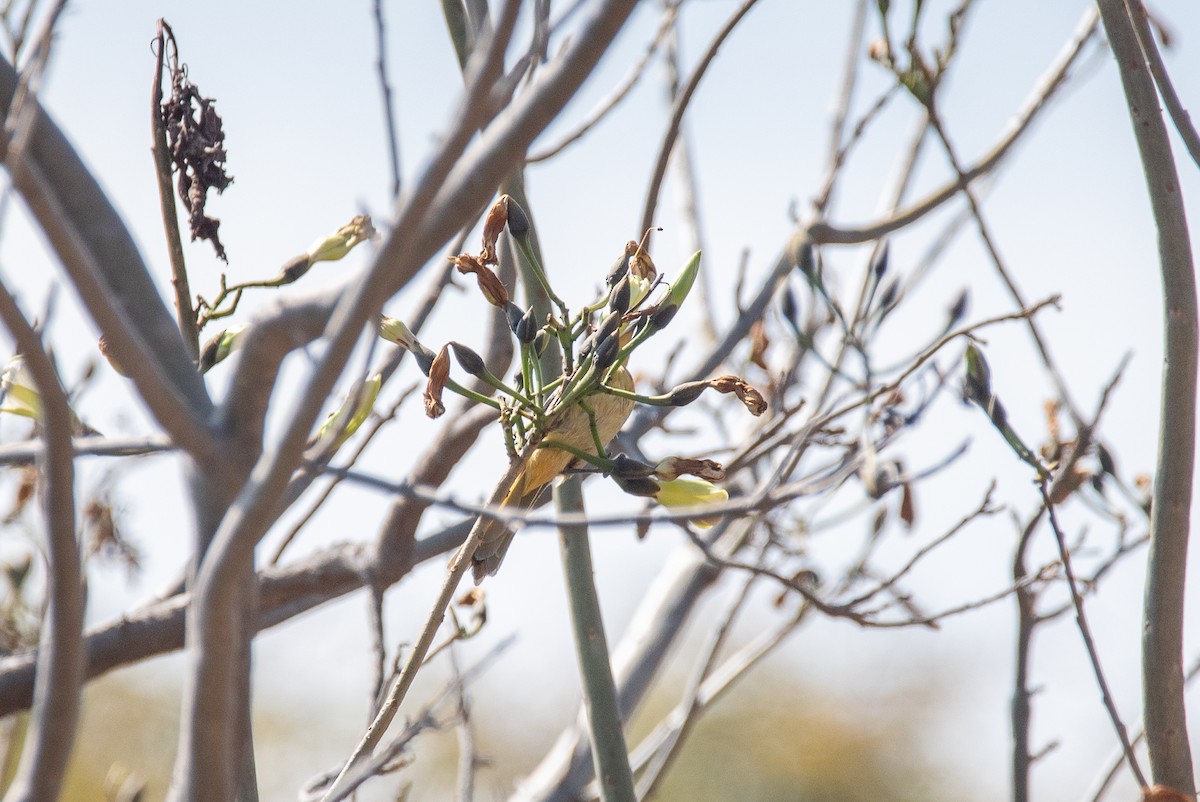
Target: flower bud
663, 315
685, 394
468, 360
514, 314
527, 327
627, 467
220, 346
18, 392
879, 268
788, 307
805, 258
395, 331
618, 301
102, 344
618, 271
518, 221
338, 244
607, 351
638, 486
691, 493
957, 310
347, 418
682, 284
977, 386
294, 269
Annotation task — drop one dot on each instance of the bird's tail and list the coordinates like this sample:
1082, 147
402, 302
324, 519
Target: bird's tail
497, 536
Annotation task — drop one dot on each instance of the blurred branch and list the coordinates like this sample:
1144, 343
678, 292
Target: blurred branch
30, 451
845, 98
385, 92
1162, 80
618, 94
681, 103
59, 674
284, 593
468, 756
391, 751
689, 195
1162, 645
669, 735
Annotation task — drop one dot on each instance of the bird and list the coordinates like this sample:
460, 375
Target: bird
543, 463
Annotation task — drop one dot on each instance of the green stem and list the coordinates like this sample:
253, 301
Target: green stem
609, 752
454, 386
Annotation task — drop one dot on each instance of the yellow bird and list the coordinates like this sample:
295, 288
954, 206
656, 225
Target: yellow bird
571, 427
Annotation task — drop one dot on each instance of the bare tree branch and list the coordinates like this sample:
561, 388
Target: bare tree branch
1162, 645
60, 653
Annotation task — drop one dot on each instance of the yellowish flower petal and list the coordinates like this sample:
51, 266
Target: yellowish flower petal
688, 492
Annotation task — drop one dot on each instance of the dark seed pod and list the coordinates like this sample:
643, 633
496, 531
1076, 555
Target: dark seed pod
527, 327
606, 351
514, 315
424, 360
607, 328
208, 356
663, 316
295, 269
685, 394
881, 262
888, 298
518, 221
541, 342
958, 309
1107, 465
468, 360
618, 271
788, 308
629, 468
638, 486
619, 300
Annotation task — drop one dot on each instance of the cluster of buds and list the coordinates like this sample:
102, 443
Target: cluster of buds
579, 409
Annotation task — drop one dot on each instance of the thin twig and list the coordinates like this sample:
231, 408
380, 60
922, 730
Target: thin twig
385, 91
681, 105
1085, 632
166, 195
1044, 91
416, 656
618, 94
